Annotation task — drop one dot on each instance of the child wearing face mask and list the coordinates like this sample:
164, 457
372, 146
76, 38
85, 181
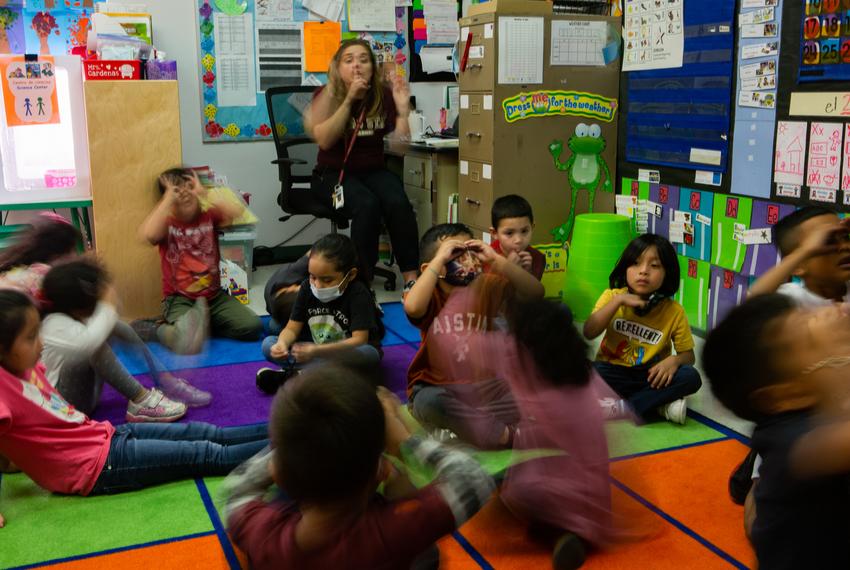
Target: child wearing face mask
337, 309
453, 298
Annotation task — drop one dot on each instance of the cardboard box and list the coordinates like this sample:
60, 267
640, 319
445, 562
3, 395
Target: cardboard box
97, 69
532, 7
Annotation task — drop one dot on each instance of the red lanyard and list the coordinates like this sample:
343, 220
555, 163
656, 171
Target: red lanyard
350, 144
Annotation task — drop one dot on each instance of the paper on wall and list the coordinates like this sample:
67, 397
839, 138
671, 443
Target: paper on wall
761, 16
759, 30
788, 190
759, 50
235, 61
757, 3
789, 152
321, 40
435, 59
759, 69
758, 99
824, 155
654, 36
577, 42
275, 9
441, 21
759, 83
371, 15
760, 236
520, 50
330, 10
279, 51
822, 195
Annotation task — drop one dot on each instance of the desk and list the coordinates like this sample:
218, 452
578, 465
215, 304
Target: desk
79, 213
430, 176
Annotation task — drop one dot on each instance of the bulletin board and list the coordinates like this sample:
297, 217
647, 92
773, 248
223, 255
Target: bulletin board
245, 118
812, 154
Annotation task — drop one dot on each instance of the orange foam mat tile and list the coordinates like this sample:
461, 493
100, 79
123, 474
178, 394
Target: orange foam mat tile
691, 486
454, 557
202, 552
503, 542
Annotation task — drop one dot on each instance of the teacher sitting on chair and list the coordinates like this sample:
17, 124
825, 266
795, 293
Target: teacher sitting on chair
348, 120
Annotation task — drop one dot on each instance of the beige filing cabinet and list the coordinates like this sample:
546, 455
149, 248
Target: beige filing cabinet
497, 157
430, 176
134, 135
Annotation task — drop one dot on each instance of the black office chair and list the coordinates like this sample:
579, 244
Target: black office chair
296, 197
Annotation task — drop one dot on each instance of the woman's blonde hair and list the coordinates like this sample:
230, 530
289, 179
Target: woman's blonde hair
374, 100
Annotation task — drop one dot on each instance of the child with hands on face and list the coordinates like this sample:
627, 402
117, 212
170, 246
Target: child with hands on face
337, 309
642, 324
510, 234
451, 300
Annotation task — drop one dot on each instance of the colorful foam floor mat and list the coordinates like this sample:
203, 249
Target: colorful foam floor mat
673, 478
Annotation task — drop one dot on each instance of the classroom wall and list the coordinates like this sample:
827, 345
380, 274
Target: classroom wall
247, 165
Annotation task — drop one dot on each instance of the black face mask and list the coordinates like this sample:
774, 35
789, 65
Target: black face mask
458, 275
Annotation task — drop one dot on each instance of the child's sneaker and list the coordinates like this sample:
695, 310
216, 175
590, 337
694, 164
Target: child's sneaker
569, 552
180, 390
155, 408
269, 379
676, 411
613, 408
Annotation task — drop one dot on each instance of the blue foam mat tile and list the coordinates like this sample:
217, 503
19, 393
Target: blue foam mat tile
396, 321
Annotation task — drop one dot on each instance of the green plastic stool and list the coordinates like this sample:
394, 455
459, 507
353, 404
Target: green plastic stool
598, 241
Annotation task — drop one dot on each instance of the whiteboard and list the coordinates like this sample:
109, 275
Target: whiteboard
49, 163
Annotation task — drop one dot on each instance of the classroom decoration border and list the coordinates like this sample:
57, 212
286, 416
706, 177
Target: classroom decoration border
251, 123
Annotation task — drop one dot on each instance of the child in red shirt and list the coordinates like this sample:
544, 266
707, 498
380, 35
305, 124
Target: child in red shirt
510, 233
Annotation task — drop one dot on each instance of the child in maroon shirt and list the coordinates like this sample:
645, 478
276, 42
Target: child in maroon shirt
510, 233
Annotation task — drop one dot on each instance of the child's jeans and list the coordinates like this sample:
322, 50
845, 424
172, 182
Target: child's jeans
477, 413
630, 382
365, 354
142, 455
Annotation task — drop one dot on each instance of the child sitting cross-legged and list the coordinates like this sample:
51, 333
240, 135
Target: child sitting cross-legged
451, 299
785, 368
329, 430
338, 310
642, 323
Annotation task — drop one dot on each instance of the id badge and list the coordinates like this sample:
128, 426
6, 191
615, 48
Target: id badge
338, 197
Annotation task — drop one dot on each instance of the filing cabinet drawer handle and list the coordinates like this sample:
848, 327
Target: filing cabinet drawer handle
470, 134
414, 172
473, 202
475, 66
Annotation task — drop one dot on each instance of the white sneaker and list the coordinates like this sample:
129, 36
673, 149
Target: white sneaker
613, 408
676, 411
155, 408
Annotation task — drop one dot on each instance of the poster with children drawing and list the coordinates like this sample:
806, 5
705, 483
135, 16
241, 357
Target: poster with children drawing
12, 29
57, 30
790, 152
824, 156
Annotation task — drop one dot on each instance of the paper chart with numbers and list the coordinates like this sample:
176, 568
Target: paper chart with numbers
654, 35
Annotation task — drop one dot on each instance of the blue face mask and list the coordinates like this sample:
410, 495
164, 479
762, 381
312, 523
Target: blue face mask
328, 294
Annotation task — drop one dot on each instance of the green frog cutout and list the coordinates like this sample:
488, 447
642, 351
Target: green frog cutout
584, 168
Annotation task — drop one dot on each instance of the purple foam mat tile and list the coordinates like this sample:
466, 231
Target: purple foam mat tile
236, 400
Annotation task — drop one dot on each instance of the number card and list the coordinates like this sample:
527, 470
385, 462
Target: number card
825, 45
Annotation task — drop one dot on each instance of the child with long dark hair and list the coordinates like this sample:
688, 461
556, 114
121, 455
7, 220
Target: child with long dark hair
24, 264
642, 324
337, 309
64, 451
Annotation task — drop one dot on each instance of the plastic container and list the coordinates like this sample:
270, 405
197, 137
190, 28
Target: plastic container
598, 241
237, 245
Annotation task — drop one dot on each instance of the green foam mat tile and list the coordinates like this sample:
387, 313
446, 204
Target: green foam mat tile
41, 526
625, 438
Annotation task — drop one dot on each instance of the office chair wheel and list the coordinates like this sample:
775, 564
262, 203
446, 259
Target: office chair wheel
389, 285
